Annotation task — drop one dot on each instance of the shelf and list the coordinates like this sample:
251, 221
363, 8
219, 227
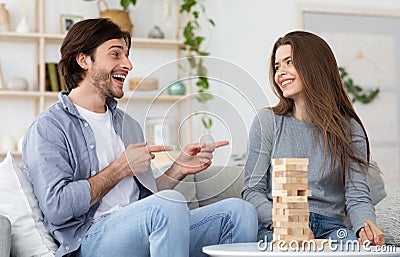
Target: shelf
12, 36
57, 38
19, 94
150, 42
150, 97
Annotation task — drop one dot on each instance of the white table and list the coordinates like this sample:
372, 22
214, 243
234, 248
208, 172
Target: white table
252, 250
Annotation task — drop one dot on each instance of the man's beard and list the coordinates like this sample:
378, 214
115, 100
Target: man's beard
103, 84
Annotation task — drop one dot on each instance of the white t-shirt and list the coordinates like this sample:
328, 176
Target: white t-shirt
109, 147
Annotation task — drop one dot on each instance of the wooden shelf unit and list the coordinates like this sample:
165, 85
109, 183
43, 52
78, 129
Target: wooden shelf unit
40, 39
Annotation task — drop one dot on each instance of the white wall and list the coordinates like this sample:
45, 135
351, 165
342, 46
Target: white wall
242, 40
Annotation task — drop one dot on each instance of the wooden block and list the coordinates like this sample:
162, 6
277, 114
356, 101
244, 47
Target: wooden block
304, 218
277, 199
277, 211
290, 231
281, 231
283, 192
296, 231
285, 218
293, 174
296, 187
282, 205
301, 161
291, 167
291, 224
300, 224
302, 212
290, 192
292, 199
276, 186
291, 221
304, 192
277, 237
288, 180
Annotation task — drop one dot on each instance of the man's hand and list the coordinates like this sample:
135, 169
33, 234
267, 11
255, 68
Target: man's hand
372, 233
137, 158
197, 157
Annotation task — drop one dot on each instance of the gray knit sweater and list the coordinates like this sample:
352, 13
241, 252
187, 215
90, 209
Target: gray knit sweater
284, 136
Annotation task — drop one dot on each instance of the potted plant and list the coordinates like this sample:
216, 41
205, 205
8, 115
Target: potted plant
192, 45
356, 92
120, 17
124, 3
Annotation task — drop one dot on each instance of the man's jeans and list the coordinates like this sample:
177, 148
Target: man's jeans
322, 226
161, 225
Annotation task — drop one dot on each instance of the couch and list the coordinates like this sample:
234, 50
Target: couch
217, 183
5, 236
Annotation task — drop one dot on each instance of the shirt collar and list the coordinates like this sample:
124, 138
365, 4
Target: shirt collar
70, 107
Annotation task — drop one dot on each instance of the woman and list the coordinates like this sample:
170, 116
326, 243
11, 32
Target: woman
313, 119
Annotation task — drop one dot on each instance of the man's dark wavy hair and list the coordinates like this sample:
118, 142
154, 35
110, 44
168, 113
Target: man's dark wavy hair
84, 37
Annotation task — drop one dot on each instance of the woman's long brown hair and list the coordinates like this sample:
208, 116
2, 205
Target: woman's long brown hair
328, 106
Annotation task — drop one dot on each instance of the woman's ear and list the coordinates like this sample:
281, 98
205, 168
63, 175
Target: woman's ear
82, 60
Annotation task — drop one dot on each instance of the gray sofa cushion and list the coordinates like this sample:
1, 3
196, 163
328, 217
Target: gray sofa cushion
5, 236
217, 183
388, 217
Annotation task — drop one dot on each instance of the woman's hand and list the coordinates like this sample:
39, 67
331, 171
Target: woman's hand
372, 233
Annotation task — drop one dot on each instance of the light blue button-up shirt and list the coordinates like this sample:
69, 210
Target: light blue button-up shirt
60, 155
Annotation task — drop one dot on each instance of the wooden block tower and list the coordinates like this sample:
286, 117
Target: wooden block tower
290, 205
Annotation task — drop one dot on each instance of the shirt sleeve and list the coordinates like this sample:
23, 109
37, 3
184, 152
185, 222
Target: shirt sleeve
358, 197
257, 181
47, 158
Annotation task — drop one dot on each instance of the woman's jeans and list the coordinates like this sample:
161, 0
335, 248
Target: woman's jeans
161, 225
322, 226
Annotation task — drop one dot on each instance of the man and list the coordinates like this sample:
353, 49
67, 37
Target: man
90, 167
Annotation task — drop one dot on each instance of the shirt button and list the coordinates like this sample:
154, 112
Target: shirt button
91, 146
86, 124
93, 172
79, 239
67, 248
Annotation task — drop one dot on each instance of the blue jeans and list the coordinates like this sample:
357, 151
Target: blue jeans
161, 225
322, 226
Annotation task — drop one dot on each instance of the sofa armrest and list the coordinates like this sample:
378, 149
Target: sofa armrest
5, 236
388, 217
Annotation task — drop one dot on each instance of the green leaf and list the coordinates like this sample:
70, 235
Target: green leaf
201, 71
207, 122
187, 5
356, 92
204, 96
202, 82
211, 22
203, 120
199, 40
192, 62
203, 53
125, 3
